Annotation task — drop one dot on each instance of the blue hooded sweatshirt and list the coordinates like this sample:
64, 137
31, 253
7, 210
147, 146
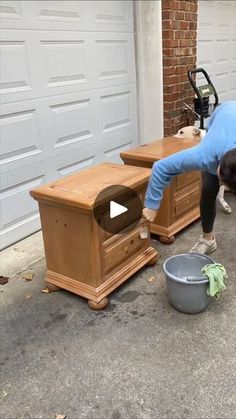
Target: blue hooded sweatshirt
206, 156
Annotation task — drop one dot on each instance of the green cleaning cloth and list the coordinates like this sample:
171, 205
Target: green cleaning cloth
216, 274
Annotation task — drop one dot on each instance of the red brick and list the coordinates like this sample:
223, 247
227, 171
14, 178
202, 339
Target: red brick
171, 43
192, 25
174, 5
179, 70
183, 25
194, 7
181, 51
174, 96
185, 6
165, 5
183, 78
190, 16
191, 60
168, 61
168, 89
168, 106
177, 88
176, 24
169, 71
166, 24
192, 34
171, 79
185, 43
168, 14
179, 34
188, 34
179, 15
168, 52
167, 34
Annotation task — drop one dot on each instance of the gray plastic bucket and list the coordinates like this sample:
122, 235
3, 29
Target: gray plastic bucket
186, 286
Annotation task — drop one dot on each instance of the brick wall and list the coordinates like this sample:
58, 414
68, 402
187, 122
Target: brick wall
179, 31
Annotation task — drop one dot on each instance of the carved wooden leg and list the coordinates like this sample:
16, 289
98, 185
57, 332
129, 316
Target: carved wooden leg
167, 240
98, 306
51, 287
153, 261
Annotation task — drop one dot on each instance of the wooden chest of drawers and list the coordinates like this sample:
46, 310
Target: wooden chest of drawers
88, 257
180, 204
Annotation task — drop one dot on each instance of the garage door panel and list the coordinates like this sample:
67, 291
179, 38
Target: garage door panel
67, 15
44, 64
216, 16
114, 62
60, 11
111, 15
20, 138
113, 146
118, 111
43, 128
19, 213
10, 10
26, 132
216, 44
75, 120
65, 62
16, 75
73, 161
47, 64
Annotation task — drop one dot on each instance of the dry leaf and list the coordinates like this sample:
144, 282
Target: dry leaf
151, 279
60, 416
3, 280
28, 275
45, 291
28, 296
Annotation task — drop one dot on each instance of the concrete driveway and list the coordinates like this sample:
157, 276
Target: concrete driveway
139, 358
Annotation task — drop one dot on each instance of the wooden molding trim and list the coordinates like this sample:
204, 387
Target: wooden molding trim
177, 226
113, 281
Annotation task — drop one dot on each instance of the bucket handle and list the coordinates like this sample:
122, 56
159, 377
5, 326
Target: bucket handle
192, 279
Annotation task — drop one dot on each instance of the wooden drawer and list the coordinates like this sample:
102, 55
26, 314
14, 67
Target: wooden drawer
113, 226
185, 202
124, 248
186, 179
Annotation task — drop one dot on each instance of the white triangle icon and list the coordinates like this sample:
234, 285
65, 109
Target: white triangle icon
116, 209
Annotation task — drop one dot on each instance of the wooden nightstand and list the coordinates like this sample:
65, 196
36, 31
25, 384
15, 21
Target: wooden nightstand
180, 204
81, 256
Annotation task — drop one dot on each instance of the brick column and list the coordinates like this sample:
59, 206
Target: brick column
179, 31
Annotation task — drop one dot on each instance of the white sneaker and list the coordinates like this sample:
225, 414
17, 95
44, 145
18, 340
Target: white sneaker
204, 246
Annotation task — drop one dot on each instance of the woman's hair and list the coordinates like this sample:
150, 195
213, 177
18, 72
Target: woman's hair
228, 169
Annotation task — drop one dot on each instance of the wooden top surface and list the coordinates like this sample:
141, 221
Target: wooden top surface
81, 189
158, 149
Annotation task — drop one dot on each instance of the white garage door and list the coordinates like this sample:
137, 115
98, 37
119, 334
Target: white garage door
68, 96
216, 51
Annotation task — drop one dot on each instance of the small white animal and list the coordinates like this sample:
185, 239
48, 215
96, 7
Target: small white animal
199, 134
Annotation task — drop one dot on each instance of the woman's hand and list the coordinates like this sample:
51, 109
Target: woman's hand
149, 214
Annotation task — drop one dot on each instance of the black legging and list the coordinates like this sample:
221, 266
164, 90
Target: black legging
210, 189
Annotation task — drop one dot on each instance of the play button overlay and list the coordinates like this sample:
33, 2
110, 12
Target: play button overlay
118, 208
